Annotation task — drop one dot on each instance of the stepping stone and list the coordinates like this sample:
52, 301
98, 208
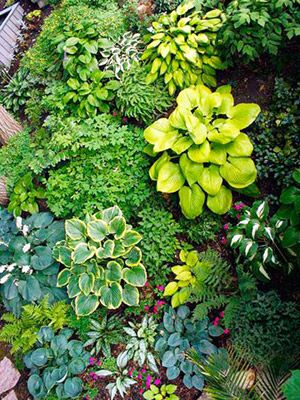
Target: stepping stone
11, 396
9, 375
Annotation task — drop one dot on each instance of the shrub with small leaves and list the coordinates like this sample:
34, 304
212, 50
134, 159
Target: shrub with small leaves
103, 263
177, 335
201, 229
54, 365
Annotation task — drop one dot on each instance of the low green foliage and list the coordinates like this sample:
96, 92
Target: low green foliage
159, 245
139, 347
292, 386
182, 48
18, 90
137, 99
103, 263
202, 229
54, 365
165, 392
204, 149
24, 196
177, 335
15, 158
166, 6
103, 333
22, 333
102, 145
254, 28
275, 135
28, 272
289, 212
264, 328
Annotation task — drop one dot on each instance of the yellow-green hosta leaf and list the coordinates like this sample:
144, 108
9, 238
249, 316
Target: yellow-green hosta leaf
214, 62
170, 178
200, 153
224, 89
171, 88
226, 104
185, 7
244, 114
210, 102
210, 180
188, 99
154, 170
213, 14
161, 134
171, 288
240, 147
226, 133
218, 154
182, 144
221, 202
164, 49
196, 129
239, 172
191, 201
190, 169
177, 119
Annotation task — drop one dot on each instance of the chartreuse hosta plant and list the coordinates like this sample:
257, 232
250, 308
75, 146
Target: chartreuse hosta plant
201, 149
54, 365
28, 272
103, 263
122, 382
182, 48
256, 237
165, 392
141, 342
177, 334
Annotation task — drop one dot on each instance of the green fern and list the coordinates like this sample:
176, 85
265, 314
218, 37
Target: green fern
21, 332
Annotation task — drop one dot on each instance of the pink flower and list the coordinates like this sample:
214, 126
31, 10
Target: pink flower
155, 310
130, 371
148, 381
238, 216
99, 363
146, 308
239, 206
147, 284
216, 321
160, 303
125, 119
157, 382
139, 375
226, 331
92, 360
226, 227
141, 391
143, 370
223, 240
114, 114
161, 288
222, 314
87, 397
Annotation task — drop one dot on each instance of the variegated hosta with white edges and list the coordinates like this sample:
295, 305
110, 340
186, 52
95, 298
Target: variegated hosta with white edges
103, 263
203, 153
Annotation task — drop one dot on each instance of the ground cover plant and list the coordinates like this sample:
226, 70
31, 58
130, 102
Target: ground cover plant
149, 220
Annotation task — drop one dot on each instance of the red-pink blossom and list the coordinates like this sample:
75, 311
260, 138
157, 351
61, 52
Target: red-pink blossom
216, 321
146, 308
223, 240
148, 381
160, 303
161, 288
238, 216
125, 119
114, 114
155, 310
222, 314
226, 227
157, 382
147, 284
226, 331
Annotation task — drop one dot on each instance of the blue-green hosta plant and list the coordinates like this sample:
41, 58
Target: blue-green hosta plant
54, 365
119, 57
182, 48
177, 335
103, 263
28, 272
122, 382
203, 153
256, 237
141, 342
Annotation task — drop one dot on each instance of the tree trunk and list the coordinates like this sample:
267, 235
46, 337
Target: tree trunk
8, 126
3, 194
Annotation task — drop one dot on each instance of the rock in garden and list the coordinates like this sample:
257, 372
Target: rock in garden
9, 375
11, 396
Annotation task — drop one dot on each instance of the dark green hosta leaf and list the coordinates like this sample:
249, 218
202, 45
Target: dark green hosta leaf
59, 345
135, 276
186, 367
40, 220
291, 237
82, 253
42, 258
36, 387
111, 297
86, 283
73, 387
161, 345
39, 357
168, 322
63, 277
73, 287
75, 348
183, 312
30, 289
113, 272
117, 227
86, 305
206, 347
215, 330
130, 295
76, 366
134, 257
289, 195
62, 254
169, 359
173, 373
174, 340
198, 381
